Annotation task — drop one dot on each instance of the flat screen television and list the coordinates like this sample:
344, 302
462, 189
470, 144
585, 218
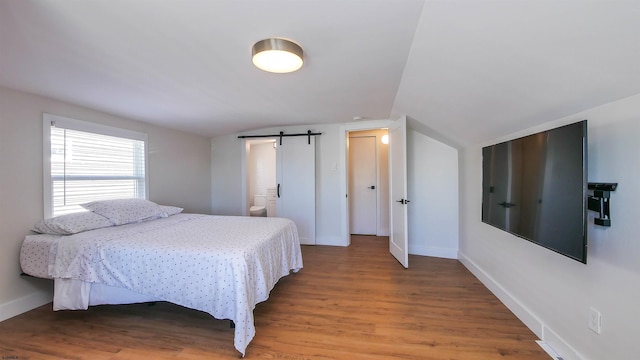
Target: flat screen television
535, 187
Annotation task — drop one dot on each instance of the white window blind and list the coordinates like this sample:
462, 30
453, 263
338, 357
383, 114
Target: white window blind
89, 162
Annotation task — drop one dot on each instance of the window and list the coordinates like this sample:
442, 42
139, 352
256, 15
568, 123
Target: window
85, 162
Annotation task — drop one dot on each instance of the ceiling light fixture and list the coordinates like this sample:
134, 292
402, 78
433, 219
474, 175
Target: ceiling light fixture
277, 55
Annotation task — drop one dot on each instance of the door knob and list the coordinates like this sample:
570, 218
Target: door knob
403, 201
372, 187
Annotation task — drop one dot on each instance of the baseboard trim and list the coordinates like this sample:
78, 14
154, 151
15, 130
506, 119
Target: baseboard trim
331, 241
516, 307
535, 324
554, 355
24, 304
561, 347
446, 253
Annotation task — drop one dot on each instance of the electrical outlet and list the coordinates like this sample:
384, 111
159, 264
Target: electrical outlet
595, 320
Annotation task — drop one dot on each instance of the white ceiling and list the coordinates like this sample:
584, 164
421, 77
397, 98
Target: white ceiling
470, 70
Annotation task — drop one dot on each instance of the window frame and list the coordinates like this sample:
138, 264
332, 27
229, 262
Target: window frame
50, 120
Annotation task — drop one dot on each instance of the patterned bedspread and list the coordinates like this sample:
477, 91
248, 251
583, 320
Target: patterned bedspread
223, 265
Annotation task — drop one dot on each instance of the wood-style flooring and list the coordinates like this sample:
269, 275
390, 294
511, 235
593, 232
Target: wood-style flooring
347, 303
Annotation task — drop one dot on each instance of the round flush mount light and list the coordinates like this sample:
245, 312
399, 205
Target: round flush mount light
277, 55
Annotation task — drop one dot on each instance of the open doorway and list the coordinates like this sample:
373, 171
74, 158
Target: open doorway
368, 182
397, 183
261, 177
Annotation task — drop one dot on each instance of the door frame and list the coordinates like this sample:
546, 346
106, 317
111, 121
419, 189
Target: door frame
376, 182
343, 171
245, 146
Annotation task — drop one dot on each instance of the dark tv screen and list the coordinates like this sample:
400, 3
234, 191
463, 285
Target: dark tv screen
535, 187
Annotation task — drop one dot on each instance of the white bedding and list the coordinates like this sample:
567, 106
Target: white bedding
218, 264
34, 259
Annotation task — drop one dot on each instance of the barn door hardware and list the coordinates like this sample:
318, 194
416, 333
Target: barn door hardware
308, 134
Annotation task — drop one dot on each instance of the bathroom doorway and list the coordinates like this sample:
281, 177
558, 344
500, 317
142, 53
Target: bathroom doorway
261, 177
283, 176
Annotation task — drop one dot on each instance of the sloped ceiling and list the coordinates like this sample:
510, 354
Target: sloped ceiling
470, 70
483, 69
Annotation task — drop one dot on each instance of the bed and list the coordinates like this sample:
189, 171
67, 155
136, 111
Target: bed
223, 265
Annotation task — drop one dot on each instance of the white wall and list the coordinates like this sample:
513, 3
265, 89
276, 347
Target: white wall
226, 175
432, 171
179, 175
261, 169
428, 233
551, 293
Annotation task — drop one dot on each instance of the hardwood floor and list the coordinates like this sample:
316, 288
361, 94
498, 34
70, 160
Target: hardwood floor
347, 303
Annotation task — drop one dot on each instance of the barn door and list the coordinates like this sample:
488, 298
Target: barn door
296, 184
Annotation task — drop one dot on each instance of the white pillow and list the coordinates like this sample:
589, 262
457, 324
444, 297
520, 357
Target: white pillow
126, 211
72, 223
171, 210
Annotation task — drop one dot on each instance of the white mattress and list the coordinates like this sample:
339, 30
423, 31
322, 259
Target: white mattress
222, 265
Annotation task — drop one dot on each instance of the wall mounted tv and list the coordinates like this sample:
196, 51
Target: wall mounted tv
535, 187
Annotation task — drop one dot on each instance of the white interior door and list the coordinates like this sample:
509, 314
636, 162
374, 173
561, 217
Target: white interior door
398, 241
362, 185
296, 185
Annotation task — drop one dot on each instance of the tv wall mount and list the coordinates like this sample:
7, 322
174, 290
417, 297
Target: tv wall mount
599, 201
